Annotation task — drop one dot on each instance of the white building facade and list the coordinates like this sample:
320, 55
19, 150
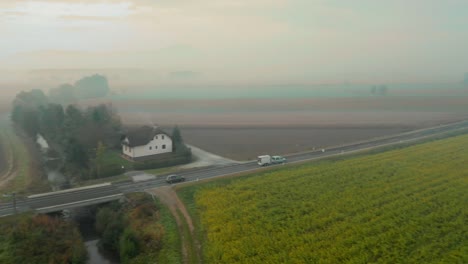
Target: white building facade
146, 142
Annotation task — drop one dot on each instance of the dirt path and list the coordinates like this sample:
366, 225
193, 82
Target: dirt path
168, 196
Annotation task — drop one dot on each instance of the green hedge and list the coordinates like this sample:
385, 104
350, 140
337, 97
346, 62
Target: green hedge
156, 164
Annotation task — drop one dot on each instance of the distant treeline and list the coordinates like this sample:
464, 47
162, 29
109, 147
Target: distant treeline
379, 89
88, 87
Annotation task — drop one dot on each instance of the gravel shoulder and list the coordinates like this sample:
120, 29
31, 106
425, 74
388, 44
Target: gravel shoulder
204, 159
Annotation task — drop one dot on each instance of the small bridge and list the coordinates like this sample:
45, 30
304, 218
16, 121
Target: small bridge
72, 198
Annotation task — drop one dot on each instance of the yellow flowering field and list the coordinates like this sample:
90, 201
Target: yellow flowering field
408, 205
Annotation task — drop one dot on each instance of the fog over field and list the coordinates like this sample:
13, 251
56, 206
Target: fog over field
388, 67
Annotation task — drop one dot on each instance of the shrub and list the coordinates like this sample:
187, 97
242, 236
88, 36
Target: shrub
186, 157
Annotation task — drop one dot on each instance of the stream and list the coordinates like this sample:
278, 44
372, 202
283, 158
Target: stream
85, 220
52, 165
82, 216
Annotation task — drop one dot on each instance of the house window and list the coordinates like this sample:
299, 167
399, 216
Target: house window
163, 146
150, 148
156, 137
155, 147
162, 136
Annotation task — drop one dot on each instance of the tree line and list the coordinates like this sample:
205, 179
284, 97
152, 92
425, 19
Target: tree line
73, 132
94, 86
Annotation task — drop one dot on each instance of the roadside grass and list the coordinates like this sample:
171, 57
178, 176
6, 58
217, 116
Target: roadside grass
7, 223
190, 193
171, 251
186, 195
191, 248
112, 158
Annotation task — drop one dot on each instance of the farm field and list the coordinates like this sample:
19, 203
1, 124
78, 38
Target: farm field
243, 128
401, 206
311, 112
242, 143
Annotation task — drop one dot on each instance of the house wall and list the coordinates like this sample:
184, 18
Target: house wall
126, 149
156, 145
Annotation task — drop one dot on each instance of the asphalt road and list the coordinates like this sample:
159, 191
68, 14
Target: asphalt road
95, 194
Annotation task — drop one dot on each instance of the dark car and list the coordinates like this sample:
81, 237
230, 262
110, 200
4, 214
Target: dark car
174, 178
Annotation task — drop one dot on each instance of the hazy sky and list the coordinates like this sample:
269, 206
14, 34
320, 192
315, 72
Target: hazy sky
296, 40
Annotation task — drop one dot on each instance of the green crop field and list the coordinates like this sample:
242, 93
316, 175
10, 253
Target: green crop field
407, 205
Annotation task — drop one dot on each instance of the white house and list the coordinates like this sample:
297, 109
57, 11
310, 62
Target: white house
146, 142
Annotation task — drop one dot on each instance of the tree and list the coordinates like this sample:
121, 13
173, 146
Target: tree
16, 113
379, 90
128, 246
75, 153
30, 122
26, 107
73, 120
32, 99
110, 237
64, 94
373, 89
51, 120
383, 89
92, 87
99, 160
178, 145
176, 136
104, 217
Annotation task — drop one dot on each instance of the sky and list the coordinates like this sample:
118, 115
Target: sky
250, 40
